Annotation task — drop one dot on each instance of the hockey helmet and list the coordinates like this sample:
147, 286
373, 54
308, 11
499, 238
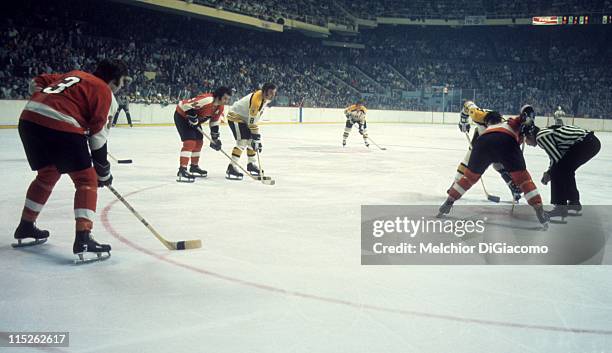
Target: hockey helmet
528, 114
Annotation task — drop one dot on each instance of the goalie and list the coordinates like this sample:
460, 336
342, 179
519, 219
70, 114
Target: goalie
478, 116
356, 114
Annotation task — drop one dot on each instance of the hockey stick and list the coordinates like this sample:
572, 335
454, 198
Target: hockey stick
171, 245
264, 181
490, 197
120, 161
382, 148
261, 170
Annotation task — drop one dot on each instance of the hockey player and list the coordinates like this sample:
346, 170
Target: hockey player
243, 118
559, 115
568, 148
478, 116
500, 143
356, 114
190, 114
66, 119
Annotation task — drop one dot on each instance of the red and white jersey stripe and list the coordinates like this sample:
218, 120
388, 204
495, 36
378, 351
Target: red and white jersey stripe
76, 102
511, 127
203, 106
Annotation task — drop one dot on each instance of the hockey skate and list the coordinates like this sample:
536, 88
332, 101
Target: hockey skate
197, 172
558, 211
516, 192
366, 144
232, 174
575, 207
543, 217
343, 143
183, 176
27, 230
445, 208
84, 243
255, 172
253, 169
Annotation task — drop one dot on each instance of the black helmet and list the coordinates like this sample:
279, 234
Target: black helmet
527, 113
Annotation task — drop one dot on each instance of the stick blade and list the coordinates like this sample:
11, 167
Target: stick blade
493, 198
187, 244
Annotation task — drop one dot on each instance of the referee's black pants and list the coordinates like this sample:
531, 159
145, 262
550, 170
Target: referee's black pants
563, 173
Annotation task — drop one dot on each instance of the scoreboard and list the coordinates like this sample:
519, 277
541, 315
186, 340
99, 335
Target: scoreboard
570, 20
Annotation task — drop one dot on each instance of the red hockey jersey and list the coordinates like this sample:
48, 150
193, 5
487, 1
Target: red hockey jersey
76, 102
511, 127
203, 107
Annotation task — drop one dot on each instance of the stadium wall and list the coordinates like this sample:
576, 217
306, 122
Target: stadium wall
155, 114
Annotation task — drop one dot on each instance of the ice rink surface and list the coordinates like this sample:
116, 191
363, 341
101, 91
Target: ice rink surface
279, 270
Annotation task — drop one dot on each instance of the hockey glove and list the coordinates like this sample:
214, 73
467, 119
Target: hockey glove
256, 142
105, 177
351, 119
215, 144
193, 120
464, 123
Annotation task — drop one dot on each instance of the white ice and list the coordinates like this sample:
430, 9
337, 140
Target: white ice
279, 270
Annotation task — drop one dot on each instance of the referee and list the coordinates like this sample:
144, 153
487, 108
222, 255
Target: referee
124, 104
568, 148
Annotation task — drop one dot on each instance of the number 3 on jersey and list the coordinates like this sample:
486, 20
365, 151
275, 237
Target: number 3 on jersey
60, 87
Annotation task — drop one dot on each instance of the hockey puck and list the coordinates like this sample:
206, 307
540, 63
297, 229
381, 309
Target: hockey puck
124, 161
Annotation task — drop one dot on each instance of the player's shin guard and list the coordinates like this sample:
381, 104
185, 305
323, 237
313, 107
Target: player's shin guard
251, 154
188, 146
523, 180
463, 165
38, 193
460, 171
236, 153
463, 184
514, 189
345, 135
195, 152
85, 198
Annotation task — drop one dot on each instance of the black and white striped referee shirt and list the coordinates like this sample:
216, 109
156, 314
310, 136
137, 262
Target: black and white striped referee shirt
558, 139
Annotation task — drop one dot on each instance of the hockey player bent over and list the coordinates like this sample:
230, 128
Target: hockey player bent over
478, 115
243, 118
189, 115
356, 114
66, 119
499, 143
